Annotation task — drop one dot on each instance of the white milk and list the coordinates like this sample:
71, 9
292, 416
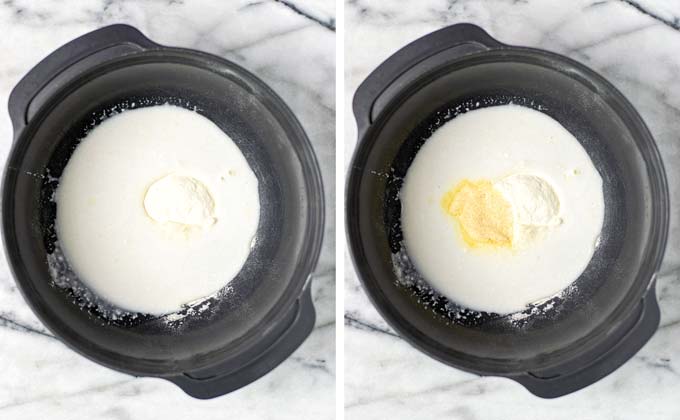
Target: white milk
203, 209
493, 143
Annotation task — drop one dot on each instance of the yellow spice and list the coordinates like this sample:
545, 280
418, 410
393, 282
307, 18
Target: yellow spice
484, 216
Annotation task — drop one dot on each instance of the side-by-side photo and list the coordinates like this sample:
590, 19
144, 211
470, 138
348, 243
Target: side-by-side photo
340, 209
167, 210
508, 211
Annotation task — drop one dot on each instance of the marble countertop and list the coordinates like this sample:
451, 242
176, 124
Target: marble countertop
636, 46
291, 46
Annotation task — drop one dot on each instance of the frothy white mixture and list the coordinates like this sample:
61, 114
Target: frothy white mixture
157, 208
549, 190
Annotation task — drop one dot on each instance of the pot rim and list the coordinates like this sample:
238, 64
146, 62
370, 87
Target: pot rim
658, 235
308, 258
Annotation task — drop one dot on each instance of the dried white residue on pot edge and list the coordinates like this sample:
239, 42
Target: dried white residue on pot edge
407, 276
64, 278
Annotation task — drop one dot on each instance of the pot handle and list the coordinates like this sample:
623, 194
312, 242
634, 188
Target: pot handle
637, 329
67, 62
447, 44
235, 374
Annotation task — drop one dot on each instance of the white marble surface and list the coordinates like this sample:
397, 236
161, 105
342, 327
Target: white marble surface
636, 45
295, 55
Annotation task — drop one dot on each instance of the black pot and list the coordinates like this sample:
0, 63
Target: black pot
614, 312
269, 312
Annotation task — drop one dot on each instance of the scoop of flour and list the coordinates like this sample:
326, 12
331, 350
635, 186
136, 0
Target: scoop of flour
535, 206
179, 199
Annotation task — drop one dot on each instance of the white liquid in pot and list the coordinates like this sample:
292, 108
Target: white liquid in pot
157, 208
501, 207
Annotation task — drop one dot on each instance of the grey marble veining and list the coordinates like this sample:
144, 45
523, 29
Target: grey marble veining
636, 46
290, 44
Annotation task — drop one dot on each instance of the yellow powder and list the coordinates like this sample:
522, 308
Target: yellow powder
484, 216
